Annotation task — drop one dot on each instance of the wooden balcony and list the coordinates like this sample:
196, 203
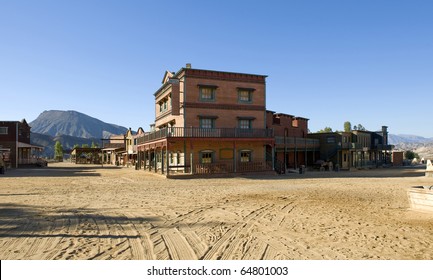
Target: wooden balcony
194, 132
297, 142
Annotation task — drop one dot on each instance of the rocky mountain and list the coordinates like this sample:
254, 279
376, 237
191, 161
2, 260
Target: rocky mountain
70, 128
72, 123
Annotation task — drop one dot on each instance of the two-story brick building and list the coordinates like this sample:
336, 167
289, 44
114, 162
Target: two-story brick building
209, 121
216, 122
15, 144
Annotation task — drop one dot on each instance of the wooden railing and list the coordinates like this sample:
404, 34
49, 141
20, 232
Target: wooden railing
221, 168
194, 132
297, 142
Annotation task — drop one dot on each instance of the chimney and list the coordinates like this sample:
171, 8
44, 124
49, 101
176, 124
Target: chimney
188, 65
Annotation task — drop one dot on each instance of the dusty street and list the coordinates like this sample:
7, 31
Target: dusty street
87, 212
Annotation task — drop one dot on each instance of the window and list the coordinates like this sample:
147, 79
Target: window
330, 139
245, 156
163, 105
3, 130
207, 123
245, 124
207, 93
206, 156
245, 95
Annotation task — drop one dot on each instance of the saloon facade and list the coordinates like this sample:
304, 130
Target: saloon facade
216, 122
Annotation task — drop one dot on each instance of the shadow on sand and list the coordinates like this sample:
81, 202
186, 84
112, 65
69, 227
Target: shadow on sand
22, 221
67, 171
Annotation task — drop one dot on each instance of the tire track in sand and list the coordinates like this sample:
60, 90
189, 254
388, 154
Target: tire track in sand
225, 247
177, 246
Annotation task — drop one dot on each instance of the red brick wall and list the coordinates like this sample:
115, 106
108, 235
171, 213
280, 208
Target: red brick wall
280, 123
226, 106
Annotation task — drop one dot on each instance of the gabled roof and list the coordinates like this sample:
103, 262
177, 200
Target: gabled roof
167, 76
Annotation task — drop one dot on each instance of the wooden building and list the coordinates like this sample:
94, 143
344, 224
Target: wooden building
293, 148
355, 149
86, 155
15, 144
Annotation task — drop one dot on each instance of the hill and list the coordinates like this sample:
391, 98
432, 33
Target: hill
420, 145
406, 138
72, 123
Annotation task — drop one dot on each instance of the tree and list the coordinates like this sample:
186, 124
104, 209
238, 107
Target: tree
58, 151
85, 146
325, 130
94, 145
359, 127
347, 126
410, 155
76, 146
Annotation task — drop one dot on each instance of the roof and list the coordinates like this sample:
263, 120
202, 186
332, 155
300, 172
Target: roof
167, 75
25, 145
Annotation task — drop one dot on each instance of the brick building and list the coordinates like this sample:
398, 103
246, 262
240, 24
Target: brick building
216, 122
208, 122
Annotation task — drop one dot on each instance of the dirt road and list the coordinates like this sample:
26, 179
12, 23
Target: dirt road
88, 212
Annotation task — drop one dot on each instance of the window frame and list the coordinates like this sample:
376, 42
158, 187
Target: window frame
5, 130
241, 98
210, 156
331, 140
203, 119
249, 153
241, 120
212, 89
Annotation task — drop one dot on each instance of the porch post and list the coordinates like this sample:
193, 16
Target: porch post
306, 153
155, 160
285, 151
162, 160
150, 160
191, 163
167, 160
144, 159
273, 157
234, 157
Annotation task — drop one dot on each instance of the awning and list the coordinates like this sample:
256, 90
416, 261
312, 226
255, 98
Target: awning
109, 149
25, 145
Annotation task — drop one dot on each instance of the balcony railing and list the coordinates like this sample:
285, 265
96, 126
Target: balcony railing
384, 147
359, 146
194, 132
297, 141
355, 146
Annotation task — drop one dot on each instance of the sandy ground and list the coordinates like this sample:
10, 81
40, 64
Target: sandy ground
86, 212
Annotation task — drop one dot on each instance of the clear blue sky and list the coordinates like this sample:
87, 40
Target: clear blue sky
368, 62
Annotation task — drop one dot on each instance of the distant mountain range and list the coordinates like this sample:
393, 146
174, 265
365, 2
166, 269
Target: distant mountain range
70, 128
420, 145
72, 123
406, 138
75, 128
